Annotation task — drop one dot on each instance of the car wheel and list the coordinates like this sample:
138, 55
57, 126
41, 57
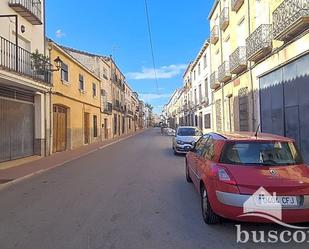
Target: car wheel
188, 178
209, 216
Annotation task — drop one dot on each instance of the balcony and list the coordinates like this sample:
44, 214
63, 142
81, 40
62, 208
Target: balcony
290, 19
31, 10
116, 105
214, 36
224, 73
236, 4
108, 108
214, 82
130, 113
238, 60
259, 43
224, 19
20, 61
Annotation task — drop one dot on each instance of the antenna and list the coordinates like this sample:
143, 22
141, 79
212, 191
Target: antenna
257, 131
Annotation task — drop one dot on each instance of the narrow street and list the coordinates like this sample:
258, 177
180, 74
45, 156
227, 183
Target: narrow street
130, 195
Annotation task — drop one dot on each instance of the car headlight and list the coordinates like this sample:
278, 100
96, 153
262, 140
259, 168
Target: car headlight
180, 142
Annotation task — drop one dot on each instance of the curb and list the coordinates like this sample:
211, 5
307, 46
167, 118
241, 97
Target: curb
40, 172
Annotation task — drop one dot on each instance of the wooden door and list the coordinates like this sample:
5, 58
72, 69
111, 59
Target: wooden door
87, 128
105, 128
59, 128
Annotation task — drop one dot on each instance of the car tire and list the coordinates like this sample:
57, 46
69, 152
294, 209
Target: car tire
188, 178
209, 216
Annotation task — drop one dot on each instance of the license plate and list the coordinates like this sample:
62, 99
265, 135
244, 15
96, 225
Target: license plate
285, 201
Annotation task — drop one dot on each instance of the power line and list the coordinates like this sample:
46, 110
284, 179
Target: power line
151, 45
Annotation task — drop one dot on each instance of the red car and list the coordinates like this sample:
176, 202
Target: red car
227, 169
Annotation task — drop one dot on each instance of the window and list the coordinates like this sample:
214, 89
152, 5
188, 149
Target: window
261, 153
189, 132
207, 121
205, 60
200, 93
209, 149
206, 88
195, 97
64, 72
94, 89
200, 145
218, 115
194, 75
243, 109
199, 69
81, 83
95, 126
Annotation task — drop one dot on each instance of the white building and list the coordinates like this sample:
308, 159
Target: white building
199, 93
24, 80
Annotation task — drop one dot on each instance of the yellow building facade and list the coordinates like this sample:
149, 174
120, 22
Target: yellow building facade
75, 103
248, 40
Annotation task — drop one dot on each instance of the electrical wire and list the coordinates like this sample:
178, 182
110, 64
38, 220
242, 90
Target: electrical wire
151, 45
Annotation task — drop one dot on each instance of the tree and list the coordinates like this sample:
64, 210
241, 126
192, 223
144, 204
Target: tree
149, 106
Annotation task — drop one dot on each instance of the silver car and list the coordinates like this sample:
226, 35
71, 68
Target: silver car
185, 138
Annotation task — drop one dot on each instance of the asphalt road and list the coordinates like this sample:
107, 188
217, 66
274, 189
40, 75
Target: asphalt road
131, 195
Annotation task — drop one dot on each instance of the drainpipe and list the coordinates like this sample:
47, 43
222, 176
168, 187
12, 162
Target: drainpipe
250, 71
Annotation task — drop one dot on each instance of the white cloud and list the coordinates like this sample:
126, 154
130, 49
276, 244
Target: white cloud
153, 96
165, 72
60, 34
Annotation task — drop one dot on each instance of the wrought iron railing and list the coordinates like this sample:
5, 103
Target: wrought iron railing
32, 6
259, 40
224, 18
287, 14
108, 107
214, 83
21, 61
214, 36
238, 59
224, 72
236, 4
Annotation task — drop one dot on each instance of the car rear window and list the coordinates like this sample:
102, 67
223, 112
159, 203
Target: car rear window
188, 132
261, 153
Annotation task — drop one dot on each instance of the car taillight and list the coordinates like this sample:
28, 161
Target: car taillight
223, 175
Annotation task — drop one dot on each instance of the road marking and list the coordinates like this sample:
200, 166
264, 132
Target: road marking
40, 172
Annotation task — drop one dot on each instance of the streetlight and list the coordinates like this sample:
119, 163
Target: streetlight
58, 64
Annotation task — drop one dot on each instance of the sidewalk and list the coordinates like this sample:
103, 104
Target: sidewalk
53, 161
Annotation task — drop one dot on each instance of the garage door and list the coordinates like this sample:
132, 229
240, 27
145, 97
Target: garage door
16, 129
285, 103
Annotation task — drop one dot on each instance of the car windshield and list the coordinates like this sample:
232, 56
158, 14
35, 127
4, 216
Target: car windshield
188, 132
261, 153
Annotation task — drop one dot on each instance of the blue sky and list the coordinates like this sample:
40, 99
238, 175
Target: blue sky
106, 27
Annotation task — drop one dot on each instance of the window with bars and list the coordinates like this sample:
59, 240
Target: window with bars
207, 121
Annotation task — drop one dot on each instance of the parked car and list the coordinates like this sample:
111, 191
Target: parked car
169, 132
227, 169
185, 139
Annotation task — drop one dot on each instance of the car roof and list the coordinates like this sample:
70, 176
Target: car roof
245, 136
193, 127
